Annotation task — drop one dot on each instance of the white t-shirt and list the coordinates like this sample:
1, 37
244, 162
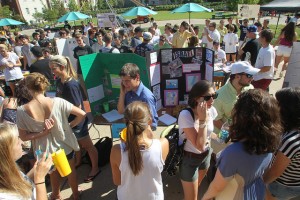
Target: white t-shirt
14, 72
185, 120
265, 57
215, 35
157, 32
221, 55
154, 40
28, 54
230, 40
169, 37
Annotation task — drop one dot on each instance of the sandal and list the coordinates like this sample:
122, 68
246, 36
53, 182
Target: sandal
91, 178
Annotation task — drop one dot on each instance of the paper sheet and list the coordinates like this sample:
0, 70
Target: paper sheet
154, 74
153, 57
167, 119
208, 72
115, 81
112, 116
95, 93
190, 67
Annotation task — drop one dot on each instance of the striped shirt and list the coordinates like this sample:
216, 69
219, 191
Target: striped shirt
291, 149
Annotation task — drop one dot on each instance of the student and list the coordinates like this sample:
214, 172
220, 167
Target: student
255, 135
68, 88
138, 162
181, 37
14, 183
132, 89
230, 40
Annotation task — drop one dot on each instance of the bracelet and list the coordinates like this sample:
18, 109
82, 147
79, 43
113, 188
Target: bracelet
39, 183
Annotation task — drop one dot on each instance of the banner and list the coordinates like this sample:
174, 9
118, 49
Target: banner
107, 20
248, 11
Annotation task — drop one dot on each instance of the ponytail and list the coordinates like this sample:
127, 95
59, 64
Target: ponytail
70, 70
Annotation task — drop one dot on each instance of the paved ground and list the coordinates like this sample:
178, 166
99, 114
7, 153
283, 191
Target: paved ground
103, 187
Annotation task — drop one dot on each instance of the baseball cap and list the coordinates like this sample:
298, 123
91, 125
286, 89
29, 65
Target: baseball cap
243, 67
138, 29
147, 36
252, 29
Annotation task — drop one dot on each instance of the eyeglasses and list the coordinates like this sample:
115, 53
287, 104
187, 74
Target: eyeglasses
247, 75
207, 98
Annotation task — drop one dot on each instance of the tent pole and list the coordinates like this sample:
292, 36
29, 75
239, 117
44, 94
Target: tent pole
189, 17
277, 24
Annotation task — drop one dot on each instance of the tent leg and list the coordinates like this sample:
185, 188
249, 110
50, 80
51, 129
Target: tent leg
189, 17
277, 24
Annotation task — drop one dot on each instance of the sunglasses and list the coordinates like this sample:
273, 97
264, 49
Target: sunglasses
207, 98
247, 75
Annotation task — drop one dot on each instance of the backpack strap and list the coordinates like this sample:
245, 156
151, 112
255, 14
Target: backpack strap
191, 112
111, 50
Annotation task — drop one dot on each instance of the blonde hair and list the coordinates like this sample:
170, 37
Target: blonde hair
11, 180
4, 46
137, 116
64, 61
37, 82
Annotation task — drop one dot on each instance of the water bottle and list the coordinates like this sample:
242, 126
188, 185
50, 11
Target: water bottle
224, 132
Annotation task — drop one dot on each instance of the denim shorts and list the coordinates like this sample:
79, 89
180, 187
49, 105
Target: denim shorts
80, 133
282, 192
189, 166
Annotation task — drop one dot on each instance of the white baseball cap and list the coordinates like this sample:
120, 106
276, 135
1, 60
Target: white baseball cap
243, 67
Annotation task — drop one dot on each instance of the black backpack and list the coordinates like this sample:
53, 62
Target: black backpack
103, 147
175, 154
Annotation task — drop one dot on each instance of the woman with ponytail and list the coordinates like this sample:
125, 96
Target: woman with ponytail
44, 121
137, 164
68, 88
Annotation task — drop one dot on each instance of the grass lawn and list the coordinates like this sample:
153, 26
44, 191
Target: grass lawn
167, 15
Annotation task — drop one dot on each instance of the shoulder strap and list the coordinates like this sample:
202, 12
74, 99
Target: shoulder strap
191, 112
111, 50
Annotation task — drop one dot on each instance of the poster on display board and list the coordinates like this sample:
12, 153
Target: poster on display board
209, 64
180, 69
107, 20
248, 11
154, 68
292, 76
101, 76
65, 47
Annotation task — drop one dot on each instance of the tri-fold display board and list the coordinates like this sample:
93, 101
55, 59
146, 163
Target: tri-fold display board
170, 73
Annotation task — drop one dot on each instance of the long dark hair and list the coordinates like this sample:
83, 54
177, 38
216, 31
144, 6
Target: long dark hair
289, 31
289, 103
256, 122
137, 116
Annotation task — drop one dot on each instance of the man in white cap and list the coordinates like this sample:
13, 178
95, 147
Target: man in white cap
141, 49
240, 80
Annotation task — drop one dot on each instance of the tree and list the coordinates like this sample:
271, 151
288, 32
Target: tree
72, 5
38, 16
5, 12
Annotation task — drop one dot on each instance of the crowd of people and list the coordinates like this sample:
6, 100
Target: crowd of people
264, 130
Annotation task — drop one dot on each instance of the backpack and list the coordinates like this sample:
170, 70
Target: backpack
103, 147
176, 148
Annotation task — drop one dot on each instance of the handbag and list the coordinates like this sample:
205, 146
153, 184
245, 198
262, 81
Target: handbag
176, 148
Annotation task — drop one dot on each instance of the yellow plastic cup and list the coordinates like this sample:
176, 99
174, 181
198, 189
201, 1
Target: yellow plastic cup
123, 134
61, 163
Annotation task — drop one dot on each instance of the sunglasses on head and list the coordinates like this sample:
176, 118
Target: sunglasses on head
207, 98
247, 75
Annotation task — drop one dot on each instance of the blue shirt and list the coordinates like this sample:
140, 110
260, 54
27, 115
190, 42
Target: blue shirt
145, 95
245, 167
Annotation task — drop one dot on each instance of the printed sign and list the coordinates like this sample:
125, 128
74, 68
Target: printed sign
248, 11
107, 20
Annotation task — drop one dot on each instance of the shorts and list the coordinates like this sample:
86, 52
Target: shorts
189, 166
284, 51
71, 155
282, 192
80, 133
262, 83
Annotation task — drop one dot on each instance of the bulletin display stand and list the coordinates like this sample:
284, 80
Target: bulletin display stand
170, 73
